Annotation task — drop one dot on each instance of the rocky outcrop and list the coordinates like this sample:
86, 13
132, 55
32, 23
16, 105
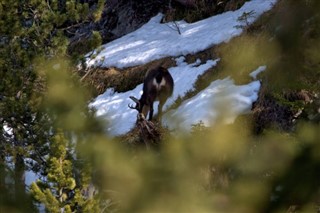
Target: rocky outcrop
121, 17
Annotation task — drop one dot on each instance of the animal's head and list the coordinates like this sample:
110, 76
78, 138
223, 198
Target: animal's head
140, 106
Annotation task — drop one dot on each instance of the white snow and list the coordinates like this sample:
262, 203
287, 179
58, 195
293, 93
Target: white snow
155, 40
255, 73
7, 130
221, 100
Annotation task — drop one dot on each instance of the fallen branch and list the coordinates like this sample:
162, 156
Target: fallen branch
147, 130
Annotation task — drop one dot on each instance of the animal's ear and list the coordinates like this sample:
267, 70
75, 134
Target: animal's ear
134, 99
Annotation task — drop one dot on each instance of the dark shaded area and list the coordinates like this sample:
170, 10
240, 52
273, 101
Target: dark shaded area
298, 185
291, 86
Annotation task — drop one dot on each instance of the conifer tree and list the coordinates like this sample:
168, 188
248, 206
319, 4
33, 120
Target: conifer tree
30, 30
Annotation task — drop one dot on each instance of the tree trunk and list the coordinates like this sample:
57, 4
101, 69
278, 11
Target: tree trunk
21, 199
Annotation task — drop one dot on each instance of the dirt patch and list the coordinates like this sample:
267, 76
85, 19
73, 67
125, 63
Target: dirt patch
280, 112
267, 113
122, 80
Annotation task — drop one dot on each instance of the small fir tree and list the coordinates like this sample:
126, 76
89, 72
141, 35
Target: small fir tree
61, 192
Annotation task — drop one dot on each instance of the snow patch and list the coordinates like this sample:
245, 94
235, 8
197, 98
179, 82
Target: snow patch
255, 73
222, 100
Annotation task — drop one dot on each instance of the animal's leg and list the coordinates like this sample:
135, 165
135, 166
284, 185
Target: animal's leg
160, 106
151, 112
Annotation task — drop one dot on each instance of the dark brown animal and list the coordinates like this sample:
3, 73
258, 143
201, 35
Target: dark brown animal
157, 86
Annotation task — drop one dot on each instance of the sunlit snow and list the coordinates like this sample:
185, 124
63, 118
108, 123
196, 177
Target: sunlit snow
156, 40
222, 100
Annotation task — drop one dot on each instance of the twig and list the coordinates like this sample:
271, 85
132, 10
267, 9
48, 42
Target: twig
175, 29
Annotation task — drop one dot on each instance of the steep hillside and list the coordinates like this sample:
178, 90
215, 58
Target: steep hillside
121, 17
238, 58
156, 40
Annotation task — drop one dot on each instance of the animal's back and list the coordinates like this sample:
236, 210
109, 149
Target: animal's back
158, 86
159, 78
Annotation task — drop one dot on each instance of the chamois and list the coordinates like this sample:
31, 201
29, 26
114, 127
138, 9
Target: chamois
157, 86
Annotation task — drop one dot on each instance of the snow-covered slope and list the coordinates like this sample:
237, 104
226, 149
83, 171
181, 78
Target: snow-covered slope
221, 100
153, 41
114, 106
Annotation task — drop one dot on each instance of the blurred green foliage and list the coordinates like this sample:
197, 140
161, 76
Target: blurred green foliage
220, 170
